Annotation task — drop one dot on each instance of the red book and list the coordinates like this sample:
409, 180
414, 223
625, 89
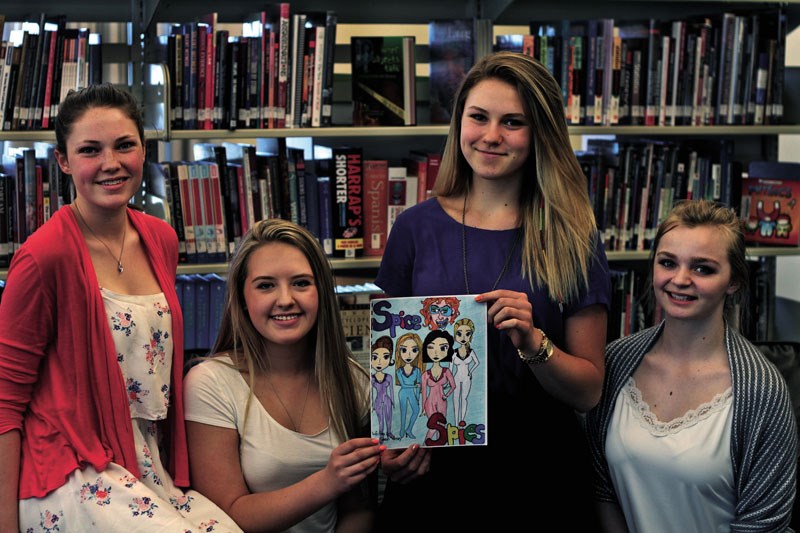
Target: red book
376, 182
417, 165
434, 161
187, 211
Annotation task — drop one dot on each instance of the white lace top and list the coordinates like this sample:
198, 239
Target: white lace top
653, 487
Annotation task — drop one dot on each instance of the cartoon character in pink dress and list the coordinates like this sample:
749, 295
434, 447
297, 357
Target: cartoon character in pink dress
437, 382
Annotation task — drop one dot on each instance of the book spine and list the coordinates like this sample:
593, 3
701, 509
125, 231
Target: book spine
49, 80
188, 212
176, 208
218, 212
284, 53
326, 118
348, 215
325, 214
318, 70
198, 214
376, 181
302, 193
202, 75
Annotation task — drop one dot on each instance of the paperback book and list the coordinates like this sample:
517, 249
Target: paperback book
428, 371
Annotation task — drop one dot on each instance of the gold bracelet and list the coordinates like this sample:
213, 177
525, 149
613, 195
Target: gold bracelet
542, 356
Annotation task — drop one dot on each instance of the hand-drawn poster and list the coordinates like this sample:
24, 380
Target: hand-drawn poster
428, 371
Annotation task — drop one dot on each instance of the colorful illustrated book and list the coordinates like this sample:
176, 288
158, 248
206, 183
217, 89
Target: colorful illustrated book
769, 205
428, 367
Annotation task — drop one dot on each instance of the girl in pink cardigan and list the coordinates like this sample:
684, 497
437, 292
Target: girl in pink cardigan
91, 348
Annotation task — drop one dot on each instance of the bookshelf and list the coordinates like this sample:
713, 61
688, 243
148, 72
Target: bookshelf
368, 264
145, 15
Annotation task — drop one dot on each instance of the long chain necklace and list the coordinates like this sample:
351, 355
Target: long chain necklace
295, 427
464, 249
118, 258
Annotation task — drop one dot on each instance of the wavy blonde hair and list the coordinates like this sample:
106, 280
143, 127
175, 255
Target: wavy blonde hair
334, 367
556, 214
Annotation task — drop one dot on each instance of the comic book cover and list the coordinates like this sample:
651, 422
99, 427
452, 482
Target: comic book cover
428, 371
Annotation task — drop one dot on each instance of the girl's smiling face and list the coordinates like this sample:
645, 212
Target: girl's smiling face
105, 158
691, 273
495, 134
281, 293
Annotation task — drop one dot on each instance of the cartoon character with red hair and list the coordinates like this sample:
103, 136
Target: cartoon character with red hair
439, 311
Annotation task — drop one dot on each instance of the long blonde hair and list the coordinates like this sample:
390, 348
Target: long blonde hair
557, 218
334, 367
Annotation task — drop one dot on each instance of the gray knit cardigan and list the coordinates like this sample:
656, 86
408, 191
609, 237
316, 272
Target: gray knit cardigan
764, 441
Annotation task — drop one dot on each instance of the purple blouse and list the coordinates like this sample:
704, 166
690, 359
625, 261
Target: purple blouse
525, 425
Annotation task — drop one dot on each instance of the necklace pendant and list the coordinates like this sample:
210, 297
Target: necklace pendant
119, 268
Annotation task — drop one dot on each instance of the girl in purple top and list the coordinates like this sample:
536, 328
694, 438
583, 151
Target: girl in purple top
511, 223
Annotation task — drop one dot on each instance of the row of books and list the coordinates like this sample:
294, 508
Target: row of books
277, 73
347, 201
32, 187
726, 68
350, 201
634, 184
278, 70
202, 298
40, 62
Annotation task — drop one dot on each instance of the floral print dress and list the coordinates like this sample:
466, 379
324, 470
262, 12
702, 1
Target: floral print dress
114, 500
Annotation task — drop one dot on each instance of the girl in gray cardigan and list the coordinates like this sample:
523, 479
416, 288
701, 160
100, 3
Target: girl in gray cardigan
695, 430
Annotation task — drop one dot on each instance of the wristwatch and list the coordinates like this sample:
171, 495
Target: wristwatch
544, 353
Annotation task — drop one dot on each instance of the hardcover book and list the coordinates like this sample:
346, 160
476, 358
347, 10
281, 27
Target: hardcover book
383, 76
428, 371
376, 184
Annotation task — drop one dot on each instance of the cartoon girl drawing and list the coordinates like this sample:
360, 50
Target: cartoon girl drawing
382, 390
437, 382
465, 361
439, 312
408, 354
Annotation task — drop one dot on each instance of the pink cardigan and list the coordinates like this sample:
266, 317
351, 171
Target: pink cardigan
60, 382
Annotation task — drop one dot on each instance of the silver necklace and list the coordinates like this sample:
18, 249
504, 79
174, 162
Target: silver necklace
118, 258
295, 427
464, 249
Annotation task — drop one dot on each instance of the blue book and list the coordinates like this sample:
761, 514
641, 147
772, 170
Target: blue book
312, 199
216, 286
202, 312
189, 306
